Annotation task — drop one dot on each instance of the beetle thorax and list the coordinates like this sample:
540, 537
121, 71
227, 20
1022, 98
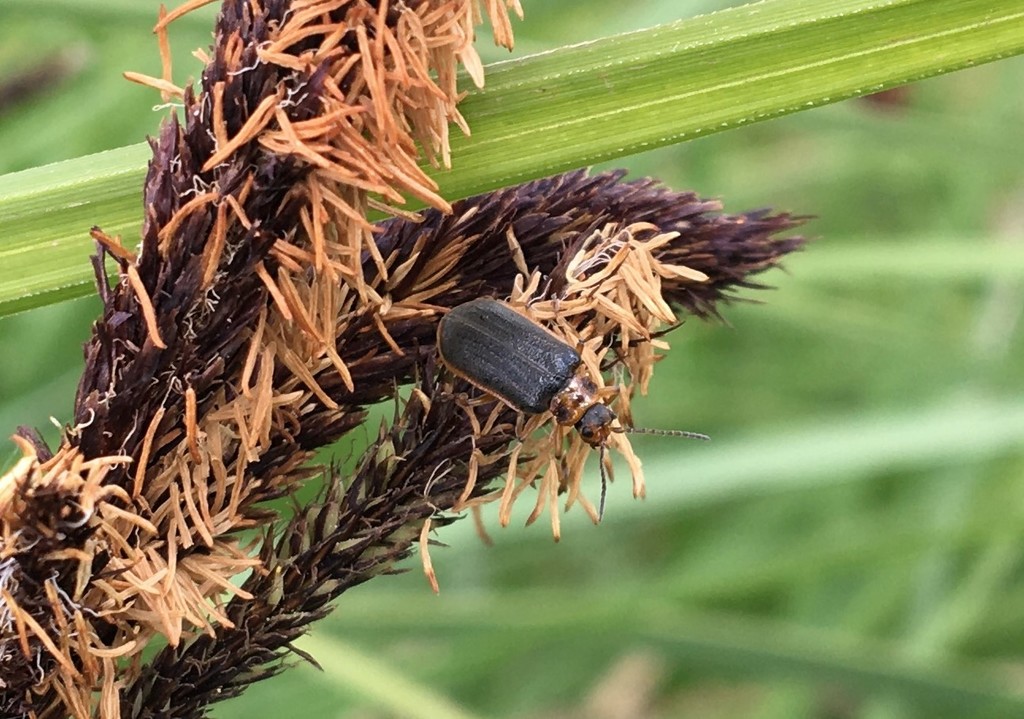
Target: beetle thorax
572, 402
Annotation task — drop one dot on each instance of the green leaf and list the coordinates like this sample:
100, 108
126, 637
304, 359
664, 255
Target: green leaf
768, 649
381, 684
711, 642
46, 215
568, 108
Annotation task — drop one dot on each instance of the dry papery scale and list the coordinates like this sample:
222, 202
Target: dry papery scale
263, 313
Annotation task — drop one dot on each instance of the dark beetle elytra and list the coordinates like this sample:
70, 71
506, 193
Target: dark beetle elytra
500, 351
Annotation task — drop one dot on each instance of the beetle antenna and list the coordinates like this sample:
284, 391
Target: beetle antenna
666, 432
604, 484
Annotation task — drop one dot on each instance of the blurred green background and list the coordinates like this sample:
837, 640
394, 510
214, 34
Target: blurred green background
849, 545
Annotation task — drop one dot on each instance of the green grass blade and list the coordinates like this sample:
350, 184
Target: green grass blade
972, 429
569, 108
928, 259
763, 649
770, 650
383, 685
633, 92
46, 215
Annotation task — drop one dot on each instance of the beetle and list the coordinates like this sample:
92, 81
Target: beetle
529, 368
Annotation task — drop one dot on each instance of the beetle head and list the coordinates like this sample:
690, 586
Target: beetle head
595, 426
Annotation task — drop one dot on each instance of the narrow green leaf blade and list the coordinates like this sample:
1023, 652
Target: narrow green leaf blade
569, 108
45, 216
